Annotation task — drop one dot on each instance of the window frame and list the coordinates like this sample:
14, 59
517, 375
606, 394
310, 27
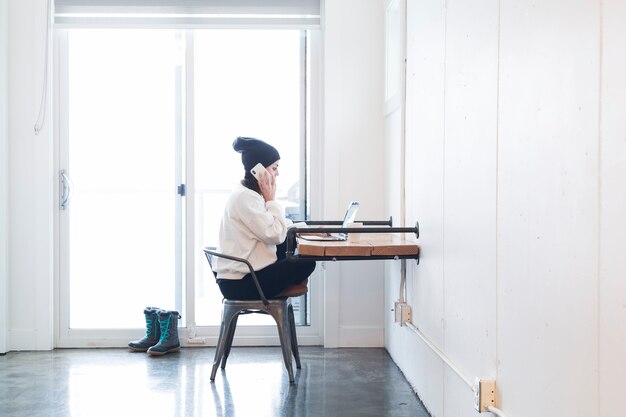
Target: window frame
190, 334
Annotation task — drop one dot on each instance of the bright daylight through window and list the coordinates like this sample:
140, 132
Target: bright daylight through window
139, 107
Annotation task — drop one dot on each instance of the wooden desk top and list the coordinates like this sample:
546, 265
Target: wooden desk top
369, 244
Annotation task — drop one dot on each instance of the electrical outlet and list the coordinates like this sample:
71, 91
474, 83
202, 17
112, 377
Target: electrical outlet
484, 394
406, 314
402, 313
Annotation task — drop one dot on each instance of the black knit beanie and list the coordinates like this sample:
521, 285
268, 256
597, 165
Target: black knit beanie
254, 151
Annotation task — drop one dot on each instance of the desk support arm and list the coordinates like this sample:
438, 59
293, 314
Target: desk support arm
293, 232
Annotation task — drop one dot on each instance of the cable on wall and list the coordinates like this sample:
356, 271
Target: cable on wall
497, 411
41, 116
441, 355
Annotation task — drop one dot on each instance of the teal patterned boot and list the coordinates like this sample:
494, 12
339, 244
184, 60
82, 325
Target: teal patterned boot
168, 323
153, 332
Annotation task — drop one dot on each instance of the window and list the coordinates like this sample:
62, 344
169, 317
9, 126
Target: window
142, 113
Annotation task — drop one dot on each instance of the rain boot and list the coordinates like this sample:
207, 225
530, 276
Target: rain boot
153, 332
168, 323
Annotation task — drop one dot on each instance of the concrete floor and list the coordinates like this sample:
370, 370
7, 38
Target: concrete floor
118, 383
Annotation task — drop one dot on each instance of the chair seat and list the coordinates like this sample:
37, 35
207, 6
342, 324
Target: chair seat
294, 291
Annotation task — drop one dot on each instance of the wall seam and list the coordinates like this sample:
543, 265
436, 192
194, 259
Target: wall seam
4, 174
497, 199
443, 198
599, 208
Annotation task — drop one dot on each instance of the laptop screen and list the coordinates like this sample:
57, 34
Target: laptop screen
347, 219
350, 213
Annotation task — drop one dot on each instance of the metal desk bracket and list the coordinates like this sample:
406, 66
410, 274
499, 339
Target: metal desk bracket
385, 227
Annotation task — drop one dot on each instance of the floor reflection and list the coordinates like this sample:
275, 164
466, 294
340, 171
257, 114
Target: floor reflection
252, 397
115, 382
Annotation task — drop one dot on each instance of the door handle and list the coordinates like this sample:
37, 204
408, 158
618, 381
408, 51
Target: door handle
65, 189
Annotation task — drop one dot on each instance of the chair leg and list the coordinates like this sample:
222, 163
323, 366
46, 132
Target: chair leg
229, 340
294, 337
282, 313
218, 350
281, 316
228, 315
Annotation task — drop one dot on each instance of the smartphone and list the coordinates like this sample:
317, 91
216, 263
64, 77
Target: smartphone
256, 171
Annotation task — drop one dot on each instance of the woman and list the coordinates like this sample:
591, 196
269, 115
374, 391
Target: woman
254, 227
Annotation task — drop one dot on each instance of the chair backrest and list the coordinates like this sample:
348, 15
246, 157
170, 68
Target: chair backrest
210, 258
211, 253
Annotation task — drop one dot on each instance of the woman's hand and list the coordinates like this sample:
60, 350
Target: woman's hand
267, 185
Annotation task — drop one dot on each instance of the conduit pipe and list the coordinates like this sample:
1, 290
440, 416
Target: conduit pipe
451, 364
439, 353
496, 411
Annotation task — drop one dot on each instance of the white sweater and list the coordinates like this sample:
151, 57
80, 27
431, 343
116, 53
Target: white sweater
250, 229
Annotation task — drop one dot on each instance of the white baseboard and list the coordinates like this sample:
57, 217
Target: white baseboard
22, 339
361, 336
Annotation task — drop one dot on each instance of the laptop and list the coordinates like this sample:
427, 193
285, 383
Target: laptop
348, 218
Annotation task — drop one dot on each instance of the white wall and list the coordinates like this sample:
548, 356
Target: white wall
612, 206
548, 200
353, 71
30, 172
4, 174
516, 168
353, 167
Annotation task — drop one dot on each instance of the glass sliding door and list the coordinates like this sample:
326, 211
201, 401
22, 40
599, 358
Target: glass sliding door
120, 160
145, 124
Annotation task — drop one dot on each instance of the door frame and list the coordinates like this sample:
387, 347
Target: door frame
189, 334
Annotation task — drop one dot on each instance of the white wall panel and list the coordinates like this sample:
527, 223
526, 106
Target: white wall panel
30, 206
354, 162
425, 159
547, 207
425, 86
353, 40
361, 306
612, 343
4, 174
394, 158
21, 320
425, 371
470, 189
542, 202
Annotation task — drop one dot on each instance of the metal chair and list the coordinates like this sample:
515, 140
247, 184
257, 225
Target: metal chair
279, 308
